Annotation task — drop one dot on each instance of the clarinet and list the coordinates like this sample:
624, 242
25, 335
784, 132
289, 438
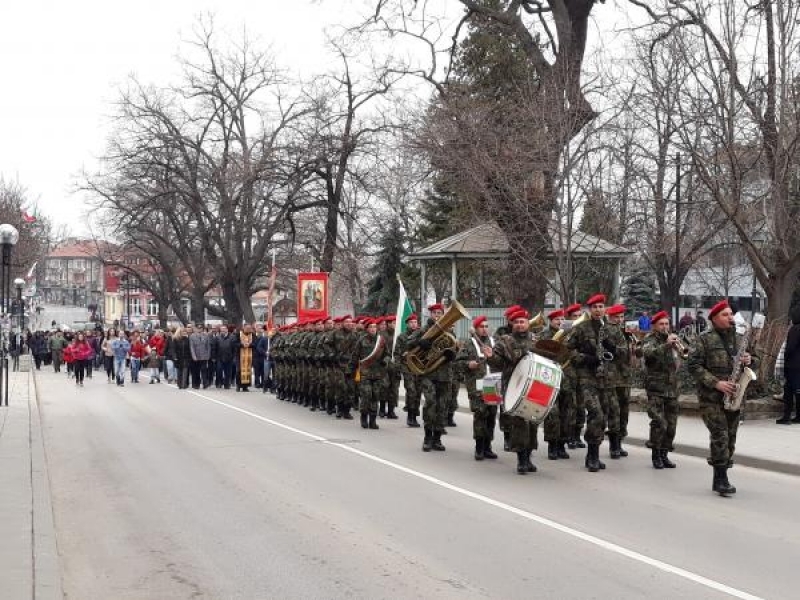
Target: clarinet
733, 402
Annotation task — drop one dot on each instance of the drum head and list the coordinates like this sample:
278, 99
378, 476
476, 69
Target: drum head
519, 380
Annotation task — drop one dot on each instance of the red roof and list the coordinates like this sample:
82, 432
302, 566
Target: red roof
80, 249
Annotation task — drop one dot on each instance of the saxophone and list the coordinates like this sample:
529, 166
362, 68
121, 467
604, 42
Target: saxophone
740, 375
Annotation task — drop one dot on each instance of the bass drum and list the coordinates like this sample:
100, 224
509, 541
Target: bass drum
533, 388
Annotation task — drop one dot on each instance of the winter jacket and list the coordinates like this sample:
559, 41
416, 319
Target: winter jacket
120, 348
200, 345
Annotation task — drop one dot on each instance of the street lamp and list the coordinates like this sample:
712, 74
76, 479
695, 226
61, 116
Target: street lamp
8, 239
19, 283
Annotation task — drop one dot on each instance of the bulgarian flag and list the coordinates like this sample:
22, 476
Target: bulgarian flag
546, 382
404, 310
28, 218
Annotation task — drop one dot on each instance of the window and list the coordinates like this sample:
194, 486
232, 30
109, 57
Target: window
152, 308
136, 307
113, 306
185, 306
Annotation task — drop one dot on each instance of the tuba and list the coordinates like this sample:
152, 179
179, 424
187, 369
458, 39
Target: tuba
421, 362
562, 335
537, 322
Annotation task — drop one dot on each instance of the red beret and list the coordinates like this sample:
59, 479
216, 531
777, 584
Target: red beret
437, 306
345, 317
662, 314
596, 299
555, 314
572, 309
390, 318
411, 317
477, 321
617, 309
511, 309
519, 314
718, 308
378, 320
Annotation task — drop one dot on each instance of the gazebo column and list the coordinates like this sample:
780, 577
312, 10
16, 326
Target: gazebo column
453, 279
616, 283
423, 286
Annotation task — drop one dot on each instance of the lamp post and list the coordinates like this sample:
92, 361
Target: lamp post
8, 239
19, 283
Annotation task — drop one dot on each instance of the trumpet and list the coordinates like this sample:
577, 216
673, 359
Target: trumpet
680, 350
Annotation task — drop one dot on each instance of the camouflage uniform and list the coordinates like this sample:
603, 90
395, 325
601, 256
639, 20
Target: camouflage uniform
372, 383
328, 354
617, 387
586, 346
484, 416
502, 422
523, 434
392, 383
556, 429
661, 384
411, 382
710, 361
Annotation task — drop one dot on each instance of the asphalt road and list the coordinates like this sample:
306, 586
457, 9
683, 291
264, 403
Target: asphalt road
160, 493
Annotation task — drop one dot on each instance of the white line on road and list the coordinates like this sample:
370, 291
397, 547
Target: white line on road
600, 543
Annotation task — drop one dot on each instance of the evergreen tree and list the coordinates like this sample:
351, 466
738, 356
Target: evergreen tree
383, 290
639, 290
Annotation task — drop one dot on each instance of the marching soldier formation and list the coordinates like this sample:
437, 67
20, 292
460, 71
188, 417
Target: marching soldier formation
334, 365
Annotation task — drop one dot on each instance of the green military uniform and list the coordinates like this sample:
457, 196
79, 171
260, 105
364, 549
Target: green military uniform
661, 384
344, 343
617, 387
328, 357
392, 383
484, 416
523, 434
557, 423
372, 372
586, 345
711, 361
411, 382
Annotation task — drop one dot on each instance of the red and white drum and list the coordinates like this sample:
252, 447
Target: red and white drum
492, 389
533, 388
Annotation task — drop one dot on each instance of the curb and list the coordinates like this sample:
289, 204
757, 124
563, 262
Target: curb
46, 562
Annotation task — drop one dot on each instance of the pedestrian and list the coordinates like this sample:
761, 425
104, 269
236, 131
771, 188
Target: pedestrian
120, 347
685, 322
181, 357
80, 353
791, 372
108, 353
200, 348
153, 365
644, 321
169, 364
57, 345
38, 349
711, 363
139, 351
700, 322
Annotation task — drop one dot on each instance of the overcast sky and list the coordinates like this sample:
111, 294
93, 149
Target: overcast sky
62, 63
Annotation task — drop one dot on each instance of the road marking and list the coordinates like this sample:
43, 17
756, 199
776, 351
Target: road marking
586, 537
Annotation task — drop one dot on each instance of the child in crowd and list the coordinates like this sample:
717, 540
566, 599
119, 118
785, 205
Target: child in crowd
154, 365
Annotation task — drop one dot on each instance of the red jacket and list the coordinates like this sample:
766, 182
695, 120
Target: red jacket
158, 342
139, 349
78, 351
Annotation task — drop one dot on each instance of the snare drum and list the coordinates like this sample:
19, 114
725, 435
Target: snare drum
533, 388
492, 389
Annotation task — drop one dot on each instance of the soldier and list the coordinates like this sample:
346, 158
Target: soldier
586, 342
411, 382
569, 385
711, 363
369, 354
661, 384
435, 385
472, 362
557, 424
507, 352
392, 370
328, 358
501, 331
617, 380
344, 342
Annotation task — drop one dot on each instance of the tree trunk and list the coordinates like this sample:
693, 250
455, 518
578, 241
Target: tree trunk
331, 232
233, 309
245, 304
163, 308
197, 312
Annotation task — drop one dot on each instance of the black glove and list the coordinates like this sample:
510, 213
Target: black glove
425, 344
590, 361
587, 348
449, 354
610, 346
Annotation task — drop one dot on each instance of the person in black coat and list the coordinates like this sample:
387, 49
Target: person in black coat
791, 369
181, 356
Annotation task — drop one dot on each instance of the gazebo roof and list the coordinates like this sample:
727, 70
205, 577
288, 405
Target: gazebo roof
488, 241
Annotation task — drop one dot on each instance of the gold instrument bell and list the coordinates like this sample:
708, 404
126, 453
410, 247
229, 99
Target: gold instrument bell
421, 362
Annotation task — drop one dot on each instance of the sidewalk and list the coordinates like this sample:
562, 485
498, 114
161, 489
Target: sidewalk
28, 555
760, 443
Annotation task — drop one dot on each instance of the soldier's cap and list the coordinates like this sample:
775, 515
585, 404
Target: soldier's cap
662, 314
718, 308
437, 306
378, 320
412, 317
596, 299
554, 314
572, 309
390, 318
519, 314
511, 309
478, 321
617, 309
345, 317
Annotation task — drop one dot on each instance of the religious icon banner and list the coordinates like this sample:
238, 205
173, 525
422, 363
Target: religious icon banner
312, 295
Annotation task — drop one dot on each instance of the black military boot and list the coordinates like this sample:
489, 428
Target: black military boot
314, 403
410, 419
372, 421
622, 452
721, 484
528, 464
658, 463
487, 450
552, 451
506, 441
450, 421
561, 452
613, 446
382, 409
437, 442
414, 415
331, 407
346, 414
364, 423
479, 449
427, 443
668, 464
339, 411
390, 414
577, 438
593, 458
522, 465
306, 402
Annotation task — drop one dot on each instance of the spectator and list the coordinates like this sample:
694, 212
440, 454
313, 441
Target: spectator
139, 351
644, 321
700, 322
108, 353
81, 353
154, 366
686, 320
791, 371
182, 357
200, 348
57, 345
120, 346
